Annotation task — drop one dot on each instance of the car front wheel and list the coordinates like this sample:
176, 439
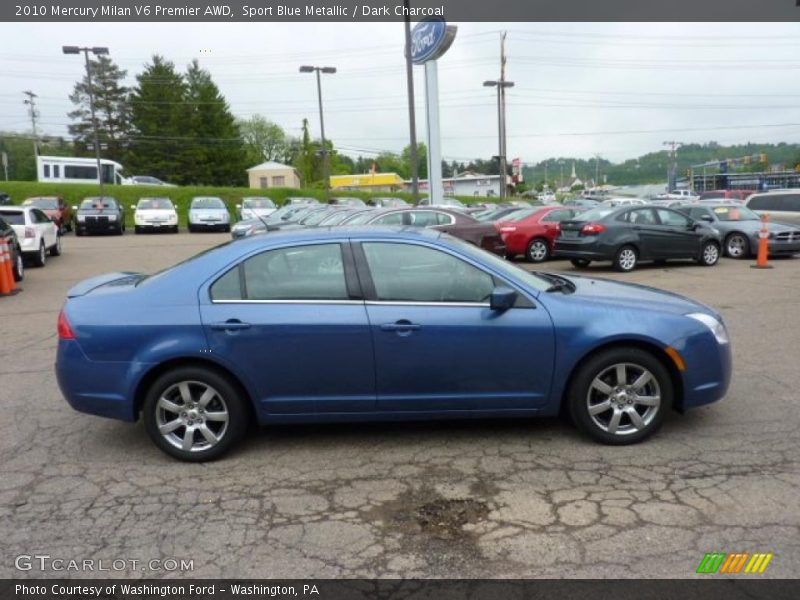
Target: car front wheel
737, 246
538, 250
19, 267
194, 414
626, 259
620, 396
709, 254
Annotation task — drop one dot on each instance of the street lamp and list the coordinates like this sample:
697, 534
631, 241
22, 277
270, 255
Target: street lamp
329, 71
501, 86
96, 50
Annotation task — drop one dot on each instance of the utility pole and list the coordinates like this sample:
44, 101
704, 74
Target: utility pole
596, 169
31, 102
325, 166
673, 163
501, 85
412, 120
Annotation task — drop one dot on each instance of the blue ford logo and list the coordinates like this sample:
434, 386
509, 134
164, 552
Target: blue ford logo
430, 39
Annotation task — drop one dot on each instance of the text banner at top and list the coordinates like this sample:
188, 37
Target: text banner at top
262, 11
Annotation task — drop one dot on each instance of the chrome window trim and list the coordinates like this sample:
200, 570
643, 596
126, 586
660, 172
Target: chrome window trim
287, 302
412, 303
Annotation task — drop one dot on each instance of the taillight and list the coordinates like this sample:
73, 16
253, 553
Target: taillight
64, 329
593, 229
30, 232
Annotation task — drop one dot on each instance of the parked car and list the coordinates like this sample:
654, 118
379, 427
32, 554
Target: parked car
301, 200
146, 180
252, 207
623, 201
532, 231
8, 234
782, 206
685, 195
387, 202
330, 325
343, 201
493, 215
628, 235
735, 195
448, 220
155, 214
581, 202
740, 227
37, 234
288, 213
99, 214
208, 213
338, 217
55, 208
444, 201
5, 199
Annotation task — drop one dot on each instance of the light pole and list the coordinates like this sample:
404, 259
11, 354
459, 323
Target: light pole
31, 101
501, 86
331, 71
96, 50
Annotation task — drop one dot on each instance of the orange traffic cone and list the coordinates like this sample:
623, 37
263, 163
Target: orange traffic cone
763, 246
5, 284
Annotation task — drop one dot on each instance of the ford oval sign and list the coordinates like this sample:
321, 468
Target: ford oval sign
430, 39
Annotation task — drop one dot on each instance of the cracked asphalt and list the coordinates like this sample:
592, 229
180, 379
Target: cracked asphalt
496, 499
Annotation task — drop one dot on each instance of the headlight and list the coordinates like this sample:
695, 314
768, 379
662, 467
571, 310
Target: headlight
112, 217
716, 327
81, 218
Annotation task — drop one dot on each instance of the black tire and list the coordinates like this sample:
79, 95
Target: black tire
78, 232
538, 250
137, 229
603, 366
175, 229
40, 259
227, 229
191, 228
737, 246
19, 266
56, 249
580, 263
626, 259
709, 254
227, 398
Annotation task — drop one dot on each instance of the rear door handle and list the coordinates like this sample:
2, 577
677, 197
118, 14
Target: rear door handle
230, 325
400, 326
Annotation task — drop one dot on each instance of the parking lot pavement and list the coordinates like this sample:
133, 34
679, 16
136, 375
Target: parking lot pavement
477, 499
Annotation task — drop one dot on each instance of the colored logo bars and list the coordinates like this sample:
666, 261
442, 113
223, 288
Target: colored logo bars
741, 562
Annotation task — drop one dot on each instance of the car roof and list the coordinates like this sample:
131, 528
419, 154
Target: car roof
343, 231
17, 209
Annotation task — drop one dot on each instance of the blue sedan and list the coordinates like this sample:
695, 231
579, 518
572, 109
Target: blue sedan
378, 324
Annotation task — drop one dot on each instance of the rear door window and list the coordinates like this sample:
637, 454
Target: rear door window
766, 203
671, 218
791, 202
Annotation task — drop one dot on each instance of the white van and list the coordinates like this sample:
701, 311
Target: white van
68, 169
782, 206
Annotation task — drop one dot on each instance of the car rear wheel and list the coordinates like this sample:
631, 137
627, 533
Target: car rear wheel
626, 259
580, 263
538, 250
55, 250
737, 246
194, 414
41, 256
709, 255
620, 396
19, 266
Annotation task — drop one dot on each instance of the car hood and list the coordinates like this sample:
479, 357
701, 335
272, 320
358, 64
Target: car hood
150, 213
254, 213
635, 295
98, 211
208, 213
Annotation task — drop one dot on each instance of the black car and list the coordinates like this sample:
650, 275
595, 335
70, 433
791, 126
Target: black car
100, 214
8, 234
5, 199
626, 235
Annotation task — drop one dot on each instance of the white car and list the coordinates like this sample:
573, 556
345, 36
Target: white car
686, 195
146, 180
36, 232
208, 213
623, 201
255, 207
155, 214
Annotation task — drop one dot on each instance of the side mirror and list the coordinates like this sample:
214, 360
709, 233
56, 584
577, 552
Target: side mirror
502, 298
707, 218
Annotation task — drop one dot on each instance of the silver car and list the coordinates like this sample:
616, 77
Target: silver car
782, 206
208, 213
253, 207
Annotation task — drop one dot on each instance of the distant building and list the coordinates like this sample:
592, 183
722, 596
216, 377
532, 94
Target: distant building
467, 183
273, 174
367, 182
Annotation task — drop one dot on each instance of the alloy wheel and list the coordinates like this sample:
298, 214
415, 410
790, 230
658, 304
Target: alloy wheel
626, 259
192, 416
538, 251
710, 254
737, 246
623, 399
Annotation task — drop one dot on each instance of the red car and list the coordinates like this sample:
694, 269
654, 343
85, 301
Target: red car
55, 208
533, 232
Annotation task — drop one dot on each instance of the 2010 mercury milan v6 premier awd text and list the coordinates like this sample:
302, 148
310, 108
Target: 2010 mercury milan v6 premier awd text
378, 324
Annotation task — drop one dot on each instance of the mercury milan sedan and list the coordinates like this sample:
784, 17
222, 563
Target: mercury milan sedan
357, 324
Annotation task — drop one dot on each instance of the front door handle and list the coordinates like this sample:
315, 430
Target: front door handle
230, 325
400, 326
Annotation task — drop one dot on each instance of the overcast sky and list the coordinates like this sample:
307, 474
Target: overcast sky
581, 88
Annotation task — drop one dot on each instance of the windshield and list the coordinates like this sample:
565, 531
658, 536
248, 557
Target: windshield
735, 213
257, 203
209, 202
502, 266
595, 214
45, 203
155, 203
13, 217
360, 219
98, 203
315, 217
521, 214
336, 218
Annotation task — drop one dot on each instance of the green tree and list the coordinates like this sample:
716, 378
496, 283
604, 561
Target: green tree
158, 121
111, 110
305, 159
215, 154
263, 140
422, 160
19, 150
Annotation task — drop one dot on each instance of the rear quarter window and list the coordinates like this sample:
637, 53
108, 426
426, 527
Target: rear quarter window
766, 203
